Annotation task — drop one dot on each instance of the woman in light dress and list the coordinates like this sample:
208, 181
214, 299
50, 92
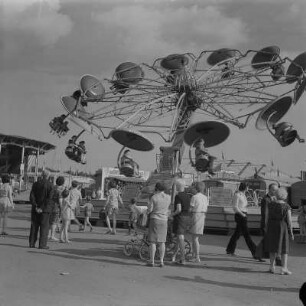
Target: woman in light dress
67, 214
6, 202
198, 209
112, 207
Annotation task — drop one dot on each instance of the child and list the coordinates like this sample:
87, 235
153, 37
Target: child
112, 206
134, 213
302, 218
88, 209
67, 215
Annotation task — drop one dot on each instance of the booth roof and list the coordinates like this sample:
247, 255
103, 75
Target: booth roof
28, 143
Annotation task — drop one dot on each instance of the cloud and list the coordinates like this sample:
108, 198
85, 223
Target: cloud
39, 19
146, 30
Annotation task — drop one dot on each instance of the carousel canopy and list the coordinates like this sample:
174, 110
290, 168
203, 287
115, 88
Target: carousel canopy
29, 144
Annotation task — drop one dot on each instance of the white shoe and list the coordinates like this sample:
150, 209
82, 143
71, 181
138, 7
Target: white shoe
286, 272
53, 239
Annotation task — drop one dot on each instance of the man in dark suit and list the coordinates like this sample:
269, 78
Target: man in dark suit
41, 199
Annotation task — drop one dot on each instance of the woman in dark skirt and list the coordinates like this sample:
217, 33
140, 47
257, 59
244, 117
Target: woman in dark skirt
278, 221
158, 210
181, 219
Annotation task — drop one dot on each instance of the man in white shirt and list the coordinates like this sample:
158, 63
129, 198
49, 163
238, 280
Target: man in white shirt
240, 204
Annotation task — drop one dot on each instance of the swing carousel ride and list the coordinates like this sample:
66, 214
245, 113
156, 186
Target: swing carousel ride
225, 86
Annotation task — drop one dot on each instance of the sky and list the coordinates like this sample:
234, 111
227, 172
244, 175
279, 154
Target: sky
47, 45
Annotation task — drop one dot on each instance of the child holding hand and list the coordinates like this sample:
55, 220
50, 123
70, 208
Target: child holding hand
88, 209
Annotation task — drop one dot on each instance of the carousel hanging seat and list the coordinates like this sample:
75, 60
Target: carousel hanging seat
212, 133
75, 153
133, 140
127, 167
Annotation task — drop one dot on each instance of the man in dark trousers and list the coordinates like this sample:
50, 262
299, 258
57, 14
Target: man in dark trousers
41, 199
267, 199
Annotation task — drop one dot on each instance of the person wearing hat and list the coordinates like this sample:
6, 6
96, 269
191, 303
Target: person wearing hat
41, 198
158, 211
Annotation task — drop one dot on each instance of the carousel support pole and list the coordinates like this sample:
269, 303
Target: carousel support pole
26, 177
21, 167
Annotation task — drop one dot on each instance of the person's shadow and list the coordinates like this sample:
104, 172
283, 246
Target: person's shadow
199, 279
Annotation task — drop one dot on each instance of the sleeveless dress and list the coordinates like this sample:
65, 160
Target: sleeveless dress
277, 237
5, 202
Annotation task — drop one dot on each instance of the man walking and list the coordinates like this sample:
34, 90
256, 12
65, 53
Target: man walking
240, 204
41, 199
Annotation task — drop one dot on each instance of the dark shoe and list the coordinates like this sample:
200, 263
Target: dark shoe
44, 248
181, 262
150, 264
32, 246
278, 262
161, 265
259, 259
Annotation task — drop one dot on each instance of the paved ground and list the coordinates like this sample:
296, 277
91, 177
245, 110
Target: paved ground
96, 272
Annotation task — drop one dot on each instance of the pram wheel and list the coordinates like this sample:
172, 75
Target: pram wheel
144, 253
128, 248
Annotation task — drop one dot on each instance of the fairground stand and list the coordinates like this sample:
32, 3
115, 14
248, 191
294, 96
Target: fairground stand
220, 188
19, 158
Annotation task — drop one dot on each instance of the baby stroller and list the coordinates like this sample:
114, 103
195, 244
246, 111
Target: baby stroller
170, 246
141, 238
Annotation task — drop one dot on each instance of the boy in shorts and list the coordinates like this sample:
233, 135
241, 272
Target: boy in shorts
88, 209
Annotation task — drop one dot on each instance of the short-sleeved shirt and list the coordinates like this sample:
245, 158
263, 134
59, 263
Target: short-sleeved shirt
199, 203
159, 205
182, 198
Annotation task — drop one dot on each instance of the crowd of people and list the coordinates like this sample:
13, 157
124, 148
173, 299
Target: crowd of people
52, 205
189, 212
55, 207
